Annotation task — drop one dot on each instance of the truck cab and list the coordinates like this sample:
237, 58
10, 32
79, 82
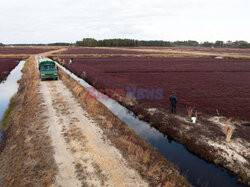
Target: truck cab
47, 70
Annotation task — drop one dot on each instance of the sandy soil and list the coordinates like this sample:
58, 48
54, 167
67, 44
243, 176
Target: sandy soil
83, 155
233, 155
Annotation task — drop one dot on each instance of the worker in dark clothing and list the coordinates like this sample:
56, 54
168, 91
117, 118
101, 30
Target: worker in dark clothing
173, 100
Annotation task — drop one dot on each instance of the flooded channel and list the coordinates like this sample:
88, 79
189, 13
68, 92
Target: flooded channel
8, 88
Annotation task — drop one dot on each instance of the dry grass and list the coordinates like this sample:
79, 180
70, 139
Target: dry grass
109, 125
217, 112
27, 159
228, 130
55, 50
129, 98
155, 168
230, 133
77, 90
138, 153
196, 115
171, 183
226, 126
83, 74
140, 116
103, 121
146, 157
189, 111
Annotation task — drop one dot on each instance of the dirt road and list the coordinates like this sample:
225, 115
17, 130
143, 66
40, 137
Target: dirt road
83, 156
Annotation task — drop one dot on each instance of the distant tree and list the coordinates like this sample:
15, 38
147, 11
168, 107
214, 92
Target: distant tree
117, 42
90, 42
186, 43
219, 44
157, 43
242, 44
192, 43
207, 44
1, 45
59, 44
79, 43
229, 44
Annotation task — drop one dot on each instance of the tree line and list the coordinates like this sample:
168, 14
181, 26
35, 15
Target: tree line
91, 42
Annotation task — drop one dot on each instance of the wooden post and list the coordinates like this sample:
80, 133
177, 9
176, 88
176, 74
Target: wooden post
229, 134
226, 126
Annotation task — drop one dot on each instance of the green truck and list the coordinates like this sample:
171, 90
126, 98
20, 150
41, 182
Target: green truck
47, 69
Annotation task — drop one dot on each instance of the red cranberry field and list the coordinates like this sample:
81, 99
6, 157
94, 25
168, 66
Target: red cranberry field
200, 49
6, 65
216, 50
23, 50
204, 83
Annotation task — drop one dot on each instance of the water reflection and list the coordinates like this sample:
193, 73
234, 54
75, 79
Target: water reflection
197, 171
9, 87
1, 133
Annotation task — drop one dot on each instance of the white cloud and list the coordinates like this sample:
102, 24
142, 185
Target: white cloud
27, 21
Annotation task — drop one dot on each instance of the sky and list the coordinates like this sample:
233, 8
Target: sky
47, 21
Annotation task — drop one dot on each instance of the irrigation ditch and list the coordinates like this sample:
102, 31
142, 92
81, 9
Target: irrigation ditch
7, 90
198, 171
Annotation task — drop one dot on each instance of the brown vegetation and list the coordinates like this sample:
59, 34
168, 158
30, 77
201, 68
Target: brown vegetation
229, 134
189, 111
226, 126
26, 155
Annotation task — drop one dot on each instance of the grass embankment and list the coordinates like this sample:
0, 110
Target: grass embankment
151, 165
26, 157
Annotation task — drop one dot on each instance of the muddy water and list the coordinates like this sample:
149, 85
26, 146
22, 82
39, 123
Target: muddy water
8, 88
197, 171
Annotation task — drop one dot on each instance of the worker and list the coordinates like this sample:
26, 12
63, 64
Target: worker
71, 60
173, 100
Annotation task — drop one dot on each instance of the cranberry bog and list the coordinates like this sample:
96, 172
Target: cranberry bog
24, 50
217, 89
215, 50
207, 84
6, 65
104, 51
199, 49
